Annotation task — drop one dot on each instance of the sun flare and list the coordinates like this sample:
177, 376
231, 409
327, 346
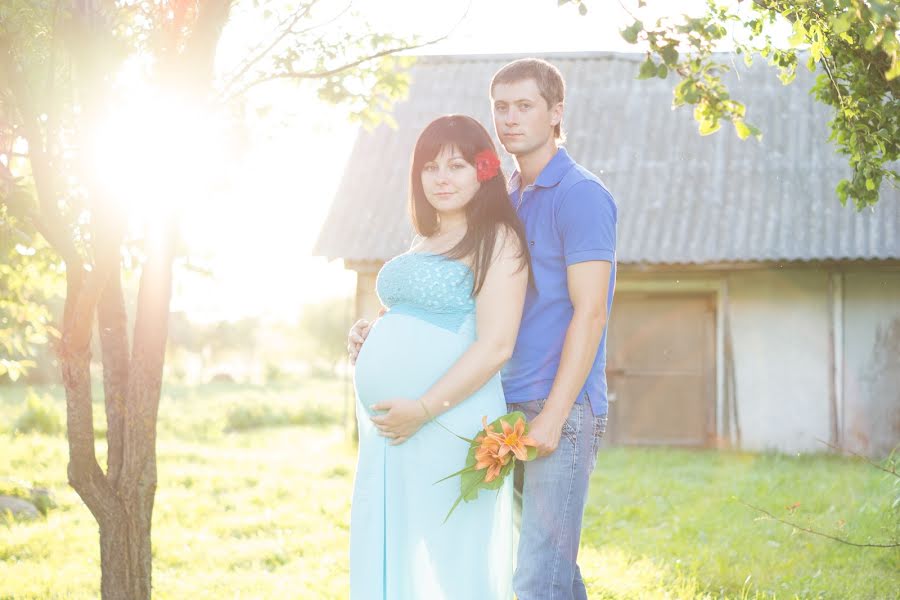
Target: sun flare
157, 151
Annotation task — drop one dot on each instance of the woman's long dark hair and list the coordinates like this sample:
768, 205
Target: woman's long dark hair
487, 213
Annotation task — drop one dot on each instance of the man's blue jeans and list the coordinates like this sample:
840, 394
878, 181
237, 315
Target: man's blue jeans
553, 495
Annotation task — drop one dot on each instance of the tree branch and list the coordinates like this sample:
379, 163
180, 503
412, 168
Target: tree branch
82, 293
285, 31
350, 65
281, 24
192, 69
300, 75
891, 471
819, 533
77, 327
84, 473
51, 71
49, 223
146, 364
627, 10
112, 324
59, 240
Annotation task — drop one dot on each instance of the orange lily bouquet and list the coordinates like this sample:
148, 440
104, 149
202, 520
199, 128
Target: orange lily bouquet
492, 455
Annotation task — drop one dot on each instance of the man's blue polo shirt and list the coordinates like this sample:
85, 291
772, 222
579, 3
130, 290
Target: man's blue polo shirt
569, 217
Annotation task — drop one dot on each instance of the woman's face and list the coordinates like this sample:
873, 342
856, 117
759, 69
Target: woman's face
449, 182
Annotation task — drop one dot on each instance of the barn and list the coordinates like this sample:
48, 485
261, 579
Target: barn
752, 310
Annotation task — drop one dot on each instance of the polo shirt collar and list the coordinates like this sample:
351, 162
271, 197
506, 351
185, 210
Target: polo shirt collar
550, 175
556, 169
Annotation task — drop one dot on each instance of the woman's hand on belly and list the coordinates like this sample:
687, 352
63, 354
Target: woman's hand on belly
404, 417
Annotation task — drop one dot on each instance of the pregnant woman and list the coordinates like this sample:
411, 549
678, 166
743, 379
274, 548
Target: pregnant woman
454, 302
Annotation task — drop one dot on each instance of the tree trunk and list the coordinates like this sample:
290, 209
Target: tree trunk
113, 327
125, 551
120, 577
121, 500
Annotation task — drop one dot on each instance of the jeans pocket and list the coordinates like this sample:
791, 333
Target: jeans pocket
600, 422
573, 423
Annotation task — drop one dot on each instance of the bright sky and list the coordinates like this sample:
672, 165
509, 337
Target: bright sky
257, 231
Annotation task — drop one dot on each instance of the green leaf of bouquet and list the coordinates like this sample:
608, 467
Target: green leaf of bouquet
460, 472
451, 432
470, 457
510, 419
469, 485
497, 482
452, 508
469, 482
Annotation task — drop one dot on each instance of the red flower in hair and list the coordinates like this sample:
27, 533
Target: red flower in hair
487, 165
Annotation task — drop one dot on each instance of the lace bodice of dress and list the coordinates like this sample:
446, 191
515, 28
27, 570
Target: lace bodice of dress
429, 286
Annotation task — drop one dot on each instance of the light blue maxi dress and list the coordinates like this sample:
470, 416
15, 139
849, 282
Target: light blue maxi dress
400, 549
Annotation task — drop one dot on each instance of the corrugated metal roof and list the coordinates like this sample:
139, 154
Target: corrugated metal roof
682, 198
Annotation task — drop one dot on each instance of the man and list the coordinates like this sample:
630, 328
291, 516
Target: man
556, 374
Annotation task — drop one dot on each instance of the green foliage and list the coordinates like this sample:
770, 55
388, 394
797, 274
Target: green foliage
258, 416
852, 44
361, 72
41, 498
39, 416
370, 104
31, 280
200, 412
261, 350
579, 4
326, 324
215, 337
17, 488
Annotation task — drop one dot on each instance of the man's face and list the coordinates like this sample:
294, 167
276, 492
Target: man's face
522, 119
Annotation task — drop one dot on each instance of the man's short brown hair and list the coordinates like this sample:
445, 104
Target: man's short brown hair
549, 80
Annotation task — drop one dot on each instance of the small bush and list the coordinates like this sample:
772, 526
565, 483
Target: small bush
39, 416
41, 498
274, 373
245, 418
15, 487
314, 416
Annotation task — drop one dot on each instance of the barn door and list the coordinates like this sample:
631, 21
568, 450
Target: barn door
661, 369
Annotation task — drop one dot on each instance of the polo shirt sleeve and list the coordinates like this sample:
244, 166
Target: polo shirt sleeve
586, 221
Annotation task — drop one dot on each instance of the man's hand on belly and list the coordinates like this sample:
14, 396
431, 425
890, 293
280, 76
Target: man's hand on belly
358, 334
356, 337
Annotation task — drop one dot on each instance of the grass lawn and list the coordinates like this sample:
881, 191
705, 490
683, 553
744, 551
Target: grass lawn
254, 496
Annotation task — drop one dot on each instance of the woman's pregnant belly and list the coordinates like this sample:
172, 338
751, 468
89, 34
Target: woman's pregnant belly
403, 356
